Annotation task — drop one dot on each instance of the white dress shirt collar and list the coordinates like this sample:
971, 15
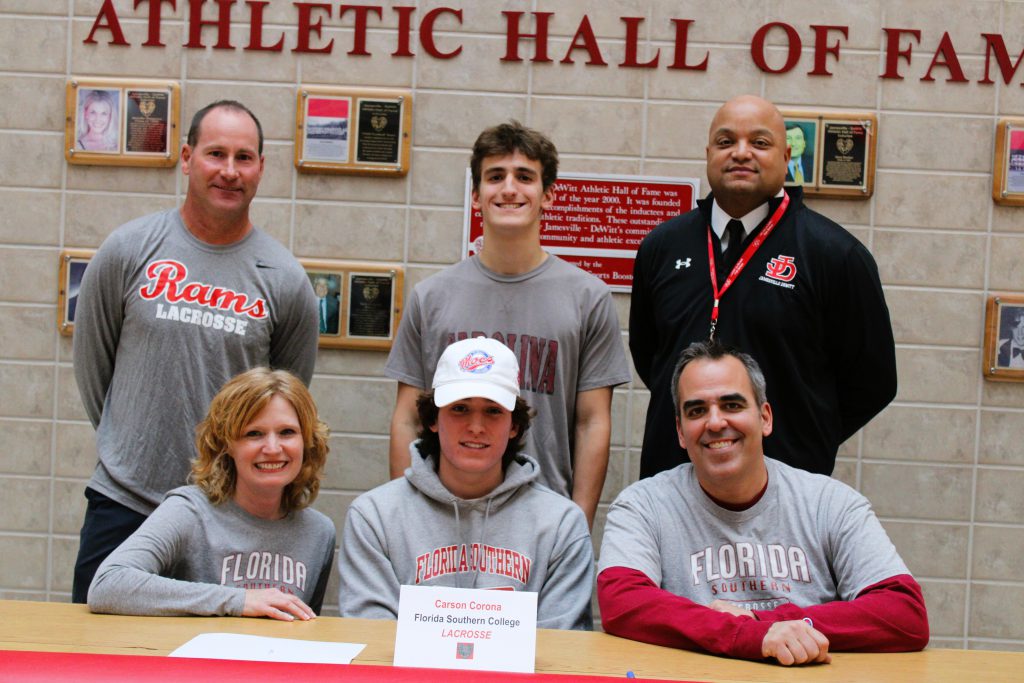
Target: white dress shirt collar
719, 219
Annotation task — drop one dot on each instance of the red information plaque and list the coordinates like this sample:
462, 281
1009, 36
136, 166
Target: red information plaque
598, 221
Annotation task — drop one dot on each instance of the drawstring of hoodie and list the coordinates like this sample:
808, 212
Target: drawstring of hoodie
483, 533
458, 534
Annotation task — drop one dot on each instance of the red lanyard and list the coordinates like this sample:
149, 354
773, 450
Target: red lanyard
741, 262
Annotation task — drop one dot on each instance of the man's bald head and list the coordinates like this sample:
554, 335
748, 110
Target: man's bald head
752, 105
747, 154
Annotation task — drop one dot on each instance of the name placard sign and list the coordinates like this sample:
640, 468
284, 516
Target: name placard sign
464, 628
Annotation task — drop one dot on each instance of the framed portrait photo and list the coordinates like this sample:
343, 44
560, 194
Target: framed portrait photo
832, 153
69, 280
354, 131
359, 304
1004, 338
98, 120
1008, 173
802, 138
121, 122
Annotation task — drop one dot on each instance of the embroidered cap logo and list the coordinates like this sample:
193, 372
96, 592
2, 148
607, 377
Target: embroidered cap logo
476, 362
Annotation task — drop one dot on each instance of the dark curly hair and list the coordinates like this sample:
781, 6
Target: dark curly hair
511, 137
430, 443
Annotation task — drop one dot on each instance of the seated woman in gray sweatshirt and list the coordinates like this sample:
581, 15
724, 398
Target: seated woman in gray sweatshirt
469, 512
242, 540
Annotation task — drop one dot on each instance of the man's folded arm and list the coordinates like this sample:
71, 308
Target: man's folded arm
633, 607
888, 616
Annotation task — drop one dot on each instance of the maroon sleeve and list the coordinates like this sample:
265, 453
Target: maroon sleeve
633, 607
888, 616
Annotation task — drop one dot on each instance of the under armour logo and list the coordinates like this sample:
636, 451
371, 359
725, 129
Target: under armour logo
680, 263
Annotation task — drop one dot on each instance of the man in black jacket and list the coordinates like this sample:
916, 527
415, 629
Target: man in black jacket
755, 268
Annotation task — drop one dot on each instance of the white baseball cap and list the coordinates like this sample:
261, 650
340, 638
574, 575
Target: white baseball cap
479, 367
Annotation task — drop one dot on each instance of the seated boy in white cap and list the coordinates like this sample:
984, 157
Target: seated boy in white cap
469, 512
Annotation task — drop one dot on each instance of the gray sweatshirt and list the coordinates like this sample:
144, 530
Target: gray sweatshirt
192, 557
163, 320
413, 531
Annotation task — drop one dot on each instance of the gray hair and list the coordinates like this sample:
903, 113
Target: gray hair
713, 350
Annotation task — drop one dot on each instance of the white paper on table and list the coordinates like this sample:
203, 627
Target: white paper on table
262, 649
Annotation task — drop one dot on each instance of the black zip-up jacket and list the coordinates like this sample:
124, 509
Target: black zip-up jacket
808, 307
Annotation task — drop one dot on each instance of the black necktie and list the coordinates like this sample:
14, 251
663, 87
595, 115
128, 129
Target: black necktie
733, 251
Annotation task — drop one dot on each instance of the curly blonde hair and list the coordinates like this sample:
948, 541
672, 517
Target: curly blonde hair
236, 405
